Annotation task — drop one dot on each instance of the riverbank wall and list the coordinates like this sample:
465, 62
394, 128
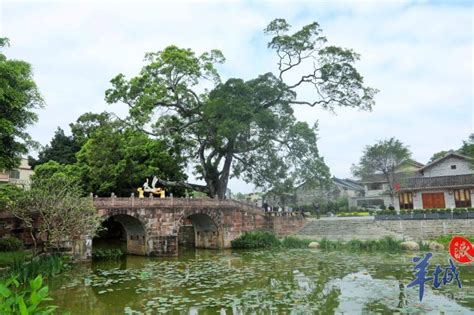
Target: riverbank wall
367, 228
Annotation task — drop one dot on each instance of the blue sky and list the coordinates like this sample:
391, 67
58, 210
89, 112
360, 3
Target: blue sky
418, 54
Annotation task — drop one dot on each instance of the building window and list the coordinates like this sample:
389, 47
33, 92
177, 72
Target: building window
406, 200
453, 167
15, 174
374, 186
462, 198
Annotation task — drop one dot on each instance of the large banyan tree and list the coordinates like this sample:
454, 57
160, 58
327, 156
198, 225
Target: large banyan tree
245, 129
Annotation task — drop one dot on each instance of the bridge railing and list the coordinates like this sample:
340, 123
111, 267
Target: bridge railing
120, 202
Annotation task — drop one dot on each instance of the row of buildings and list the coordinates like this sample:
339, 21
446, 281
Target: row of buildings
447, 182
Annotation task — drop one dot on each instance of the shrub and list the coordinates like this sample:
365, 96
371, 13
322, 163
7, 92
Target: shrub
383, 207
343, 209
18, 299
326, 244
107, 254
294, 242
256, 239
10, 244
353, 214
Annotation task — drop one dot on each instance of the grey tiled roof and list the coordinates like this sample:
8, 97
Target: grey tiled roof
453, 181
350, 184
380, 178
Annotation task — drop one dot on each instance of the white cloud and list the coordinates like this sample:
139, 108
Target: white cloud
418, 55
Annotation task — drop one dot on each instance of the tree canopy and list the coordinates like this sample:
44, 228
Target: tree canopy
108, 157
61, 149
118, 159
468, 146
19, 96
243, 128
384, 157
438, 155
466, 149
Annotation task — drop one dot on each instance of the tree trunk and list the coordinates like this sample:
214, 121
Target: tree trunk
224, 177
390, 179
35, 243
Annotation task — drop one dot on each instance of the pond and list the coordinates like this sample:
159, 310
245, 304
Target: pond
259, 282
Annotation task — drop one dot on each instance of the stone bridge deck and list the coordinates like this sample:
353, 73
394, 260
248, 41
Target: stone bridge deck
153, 225
132, 202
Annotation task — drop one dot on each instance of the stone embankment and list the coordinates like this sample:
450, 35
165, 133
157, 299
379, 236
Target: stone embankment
366, 228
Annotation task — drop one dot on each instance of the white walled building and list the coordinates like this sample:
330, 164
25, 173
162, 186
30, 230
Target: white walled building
444, 183
447, 182
19, 176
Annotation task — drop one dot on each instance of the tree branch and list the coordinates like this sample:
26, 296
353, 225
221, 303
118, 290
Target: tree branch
201, 188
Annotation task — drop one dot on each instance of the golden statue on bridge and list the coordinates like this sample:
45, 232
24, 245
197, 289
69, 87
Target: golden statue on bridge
152, 190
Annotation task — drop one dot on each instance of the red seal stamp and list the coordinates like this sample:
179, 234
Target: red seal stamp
461, 250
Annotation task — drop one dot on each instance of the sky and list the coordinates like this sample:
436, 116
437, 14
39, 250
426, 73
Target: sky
418, 54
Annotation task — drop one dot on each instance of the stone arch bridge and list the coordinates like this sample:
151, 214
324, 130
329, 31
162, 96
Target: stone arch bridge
156, 227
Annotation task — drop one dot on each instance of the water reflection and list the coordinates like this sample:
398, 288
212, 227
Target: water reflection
262, 282
360, 293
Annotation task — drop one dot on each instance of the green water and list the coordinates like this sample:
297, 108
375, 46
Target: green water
262, 282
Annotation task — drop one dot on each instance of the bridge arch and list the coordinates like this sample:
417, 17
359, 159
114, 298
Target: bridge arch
200, 229
127, 228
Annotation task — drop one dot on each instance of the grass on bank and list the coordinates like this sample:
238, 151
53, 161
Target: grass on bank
7, 258
26, 270
446, 239
268, 240
353, 214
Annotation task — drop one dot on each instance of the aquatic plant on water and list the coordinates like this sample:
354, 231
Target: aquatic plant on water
107, 254
294, 242
256, 239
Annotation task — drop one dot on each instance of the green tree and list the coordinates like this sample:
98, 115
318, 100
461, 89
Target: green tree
8, 193
384, 157
87, 124
52, 169
467, 148
118, 159
19, 96
438, 155
55, 210
240, 128
61, 149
